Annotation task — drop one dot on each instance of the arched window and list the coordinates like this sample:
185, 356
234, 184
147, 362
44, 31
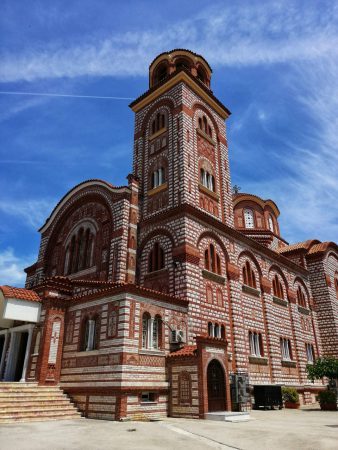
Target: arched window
219, 297
222, 331
90, 335
158, 123
212, 261
336, 284
209, 294
158, 177
210, 329
249, 218
207, 180
78, 254
201, 75
216, 330
184, 386
161, 73
271, 226
145, 330
277, 287
256, 344
249, 278
301, 297
310, 354
182, 64
157, 332
156, 258
204, 126
286, 352
151, 331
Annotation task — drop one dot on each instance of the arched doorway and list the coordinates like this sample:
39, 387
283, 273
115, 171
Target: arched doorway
216, 386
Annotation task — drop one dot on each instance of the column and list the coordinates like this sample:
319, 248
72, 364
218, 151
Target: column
28, 347
3, 355
9, 364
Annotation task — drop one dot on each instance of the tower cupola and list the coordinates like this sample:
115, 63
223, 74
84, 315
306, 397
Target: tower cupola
168, 63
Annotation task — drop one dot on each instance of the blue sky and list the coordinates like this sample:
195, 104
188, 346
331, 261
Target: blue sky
275, 66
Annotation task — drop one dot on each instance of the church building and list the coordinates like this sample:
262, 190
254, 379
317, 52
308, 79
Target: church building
160, 297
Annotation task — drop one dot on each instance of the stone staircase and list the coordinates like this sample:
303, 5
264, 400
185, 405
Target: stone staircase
28, 402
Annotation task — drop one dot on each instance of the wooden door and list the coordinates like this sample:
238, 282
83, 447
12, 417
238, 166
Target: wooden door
216, 387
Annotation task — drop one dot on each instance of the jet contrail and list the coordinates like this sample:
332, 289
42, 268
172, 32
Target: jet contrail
64, 95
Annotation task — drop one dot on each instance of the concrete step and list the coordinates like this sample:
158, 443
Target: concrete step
23, 409
45, 395
26, 402
32, 402
39, 419
228, 416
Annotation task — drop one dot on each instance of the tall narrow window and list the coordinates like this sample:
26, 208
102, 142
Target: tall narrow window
158, 123
285, 346
277, 288
90, 335
249, 278
256, 344
212, 260
336, 284
156, 258
270, 220
249, 218
310, 356
301, 297
207, 180
145, 330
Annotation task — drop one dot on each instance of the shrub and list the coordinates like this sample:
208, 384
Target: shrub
290, 395
325, 397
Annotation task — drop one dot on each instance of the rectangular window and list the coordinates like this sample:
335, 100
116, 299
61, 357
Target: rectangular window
285, 346
148, 397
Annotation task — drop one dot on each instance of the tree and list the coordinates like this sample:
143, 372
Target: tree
326, 366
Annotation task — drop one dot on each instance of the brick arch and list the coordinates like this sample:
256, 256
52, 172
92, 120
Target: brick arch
333, 255
154, 233
212, 235
198, 106
253, 259
276, 269
163, 102
79, 200
298, 281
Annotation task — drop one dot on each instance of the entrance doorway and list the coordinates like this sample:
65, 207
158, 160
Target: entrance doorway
216, 386
22, 344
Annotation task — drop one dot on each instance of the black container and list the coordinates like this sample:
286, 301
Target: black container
268, 396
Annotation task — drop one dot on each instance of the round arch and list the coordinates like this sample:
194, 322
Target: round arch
299, 281
198, 106
165, 102
212, 235
154, 233
253, 259
274, 268
216, 386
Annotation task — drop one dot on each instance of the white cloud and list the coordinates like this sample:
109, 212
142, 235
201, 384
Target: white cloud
247, 35
33, 213
11, 268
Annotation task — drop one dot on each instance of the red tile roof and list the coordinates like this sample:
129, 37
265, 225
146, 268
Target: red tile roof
322, 247
298, 246
20, 293
187, 350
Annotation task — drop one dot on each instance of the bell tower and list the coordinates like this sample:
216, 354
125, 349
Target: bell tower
180, 148
181, 161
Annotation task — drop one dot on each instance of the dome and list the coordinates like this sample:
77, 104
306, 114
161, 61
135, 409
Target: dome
173, 61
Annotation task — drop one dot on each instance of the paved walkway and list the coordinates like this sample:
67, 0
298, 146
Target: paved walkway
270, 430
